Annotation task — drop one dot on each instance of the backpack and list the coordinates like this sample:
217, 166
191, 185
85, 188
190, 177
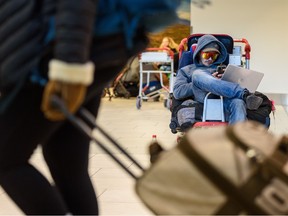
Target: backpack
131, 71
263, 112
127, 83
126, 89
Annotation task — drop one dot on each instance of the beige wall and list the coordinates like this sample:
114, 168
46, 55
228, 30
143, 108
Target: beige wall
264, 23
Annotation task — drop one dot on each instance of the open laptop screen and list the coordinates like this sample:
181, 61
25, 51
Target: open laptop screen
246, 78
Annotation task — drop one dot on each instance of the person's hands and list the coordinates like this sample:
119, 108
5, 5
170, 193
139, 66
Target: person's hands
69, 82
72, 95
217, 75
219, 71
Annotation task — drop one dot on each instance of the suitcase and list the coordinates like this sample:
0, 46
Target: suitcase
235, 169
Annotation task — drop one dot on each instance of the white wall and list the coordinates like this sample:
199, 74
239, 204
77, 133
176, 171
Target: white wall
264, 23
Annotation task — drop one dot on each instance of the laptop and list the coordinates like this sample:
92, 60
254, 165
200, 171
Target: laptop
246, 78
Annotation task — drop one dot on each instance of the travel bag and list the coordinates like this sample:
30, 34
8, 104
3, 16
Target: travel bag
235, 169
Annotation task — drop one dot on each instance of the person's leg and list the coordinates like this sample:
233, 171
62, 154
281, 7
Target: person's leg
236, 109
22, 127
67, 154
204, 82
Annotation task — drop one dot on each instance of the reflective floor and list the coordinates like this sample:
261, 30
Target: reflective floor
132, 128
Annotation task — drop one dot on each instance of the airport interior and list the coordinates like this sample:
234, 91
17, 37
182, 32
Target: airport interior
134, 121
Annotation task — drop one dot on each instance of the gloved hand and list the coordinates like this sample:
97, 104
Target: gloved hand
69, 82
72, 95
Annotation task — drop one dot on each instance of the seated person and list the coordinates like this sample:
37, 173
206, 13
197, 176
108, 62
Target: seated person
170, 44
197, 79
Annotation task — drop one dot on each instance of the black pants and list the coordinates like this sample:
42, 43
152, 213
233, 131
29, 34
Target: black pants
22, 128
65, 149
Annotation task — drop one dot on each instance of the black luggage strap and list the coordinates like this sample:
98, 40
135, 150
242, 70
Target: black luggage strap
239, 201
86, 123
242, 198
266, 168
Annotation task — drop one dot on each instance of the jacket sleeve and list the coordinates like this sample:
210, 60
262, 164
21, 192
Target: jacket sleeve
183, 84
74, 30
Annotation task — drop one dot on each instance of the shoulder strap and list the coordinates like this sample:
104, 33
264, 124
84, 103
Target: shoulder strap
243, 198
237, 199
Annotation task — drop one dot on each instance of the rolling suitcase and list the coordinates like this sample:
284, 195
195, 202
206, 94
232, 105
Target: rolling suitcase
238, 169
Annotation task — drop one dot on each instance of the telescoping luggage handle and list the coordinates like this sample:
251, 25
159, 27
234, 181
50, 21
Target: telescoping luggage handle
86, 124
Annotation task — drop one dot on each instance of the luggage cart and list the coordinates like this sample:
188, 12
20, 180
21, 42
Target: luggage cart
152, 56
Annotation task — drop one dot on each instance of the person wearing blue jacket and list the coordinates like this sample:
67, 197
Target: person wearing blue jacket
72, 49
197, 79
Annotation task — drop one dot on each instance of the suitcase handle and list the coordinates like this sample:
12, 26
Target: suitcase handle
86, 123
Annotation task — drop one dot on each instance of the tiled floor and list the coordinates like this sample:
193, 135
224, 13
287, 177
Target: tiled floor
133, 129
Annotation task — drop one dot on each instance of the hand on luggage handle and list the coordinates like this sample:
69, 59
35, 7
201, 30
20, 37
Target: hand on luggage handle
86, 124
